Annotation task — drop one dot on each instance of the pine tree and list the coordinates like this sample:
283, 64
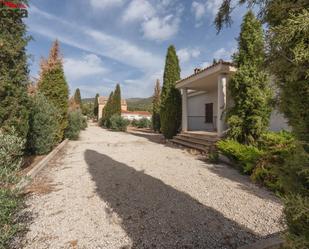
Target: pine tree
117, 101
156, 107
170, 110
77, 98
96, 105
53, 86
249, 117
13, 72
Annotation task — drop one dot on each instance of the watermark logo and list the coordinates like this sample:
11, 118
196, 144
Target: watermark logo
16, 7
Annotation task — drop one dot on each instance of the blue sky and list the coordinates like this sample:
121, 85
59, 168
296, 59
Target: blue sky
104, 42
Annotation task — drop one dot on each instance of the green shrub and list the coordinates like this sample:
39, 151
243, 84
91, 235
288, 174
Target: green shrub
118, 123
43, 126
84, 123
75, 125
11, 152
10, 203
245, 156
142, 123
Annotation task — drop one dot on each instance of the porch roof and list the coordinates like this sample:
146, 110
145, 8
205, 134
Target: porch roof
207, 78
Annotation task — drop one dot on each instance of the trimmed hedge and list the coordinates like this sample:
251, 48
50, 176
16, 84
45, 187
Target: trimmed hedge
142, 123
77, 122
118, 123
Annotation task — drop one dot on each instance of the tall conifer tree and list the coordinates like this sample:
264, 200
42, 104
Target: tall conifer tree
13, 72
77, 98
96, 105
156, 124
53, 86
117, 101
170, 110
249, 117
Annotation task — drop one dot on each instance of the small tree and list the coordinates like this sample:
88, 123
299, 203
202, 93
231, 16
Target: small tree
96, 105
170, 110
249, 117
43, 126
77, 98
53, 86
156, 124
107, 111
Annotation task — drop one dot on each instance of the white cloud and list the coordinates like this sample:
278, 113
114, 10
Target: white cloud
138, 10
103, 4
89, 65
223, 53
205, 64
213, 6
186, 54
198, 9
161, 29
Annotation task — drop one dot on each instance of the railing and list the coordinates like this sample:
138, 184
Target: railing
198, 122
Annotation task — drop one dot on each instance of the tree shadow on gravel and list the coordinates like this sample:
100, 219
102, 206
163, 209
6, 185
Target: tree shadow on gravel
155, 215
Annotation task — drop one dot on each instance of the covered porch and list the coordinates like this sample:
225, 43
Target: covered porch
205, 98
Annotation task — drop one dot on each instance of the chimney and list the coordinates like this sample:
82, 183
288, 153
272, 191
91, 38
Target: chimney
196, 70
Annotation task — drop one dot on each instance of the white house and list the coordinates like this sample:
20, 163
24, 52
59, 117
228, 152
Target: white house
137, 115
205, 99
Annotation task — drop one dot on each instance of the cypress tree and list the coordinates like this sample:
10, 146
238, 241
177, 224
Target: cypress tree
170, 110
96, 105
53, 86
107, 111
156, 107
13, 72
249, 117
77, 98
116, 106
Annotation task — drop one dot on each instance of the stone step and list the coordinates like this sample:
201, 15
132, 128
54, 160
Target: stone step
198, 147
210, 137
198, 140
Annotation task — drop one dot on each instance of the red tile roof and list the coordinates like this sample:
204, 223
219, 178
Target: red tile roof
207, 68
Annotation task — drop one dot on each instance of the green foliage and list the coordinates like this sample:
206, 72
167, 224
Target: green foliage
116, 107
140, 104
11, 153
118, 123
10, 204
77, 98
54, 87
87, 109
249, 117
245, 156
43, 126
156, 122
96, 106
142, 123
170, 114
77, 122
289, 63
170, 110
107, 111
13, 72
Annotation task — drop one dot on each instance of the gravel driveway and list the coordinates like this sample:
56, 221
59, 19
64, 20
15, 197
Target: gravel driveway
120, 190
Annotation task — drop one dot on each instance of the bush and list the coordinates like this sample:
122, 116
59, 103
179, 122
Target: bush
118, 123
43, 126
10, 203
142, 123
76, 124
245, 156
11, 152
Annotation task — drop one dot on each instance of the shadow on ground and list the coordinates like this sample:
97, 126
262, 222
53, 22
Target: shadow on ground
155, 215
150, 135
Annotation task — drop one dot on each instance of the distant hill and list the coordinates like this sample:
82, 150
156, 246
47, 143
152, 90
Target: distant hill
134, 104
140, 104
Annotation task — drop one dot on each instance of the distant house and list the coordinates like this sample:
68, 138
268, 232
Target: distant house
205, 99
102, 102
137, 115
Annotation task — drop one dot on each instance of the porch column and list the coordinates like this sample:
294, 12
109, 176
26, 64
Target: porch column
222, 80
184, 110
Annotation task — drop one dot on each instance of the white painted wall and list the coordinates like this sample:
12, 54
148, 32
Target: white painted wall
131, 116
196, 111
278, 122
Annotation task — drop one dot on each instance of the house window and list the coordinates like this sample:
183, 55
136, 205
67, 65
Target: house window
209, 113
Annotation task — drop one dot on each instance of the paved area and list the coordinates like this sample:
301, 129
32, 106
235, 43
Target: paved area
120, 190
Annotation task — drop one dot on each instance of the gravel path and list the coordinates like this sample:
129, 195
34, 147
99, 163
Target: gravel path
120, 190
